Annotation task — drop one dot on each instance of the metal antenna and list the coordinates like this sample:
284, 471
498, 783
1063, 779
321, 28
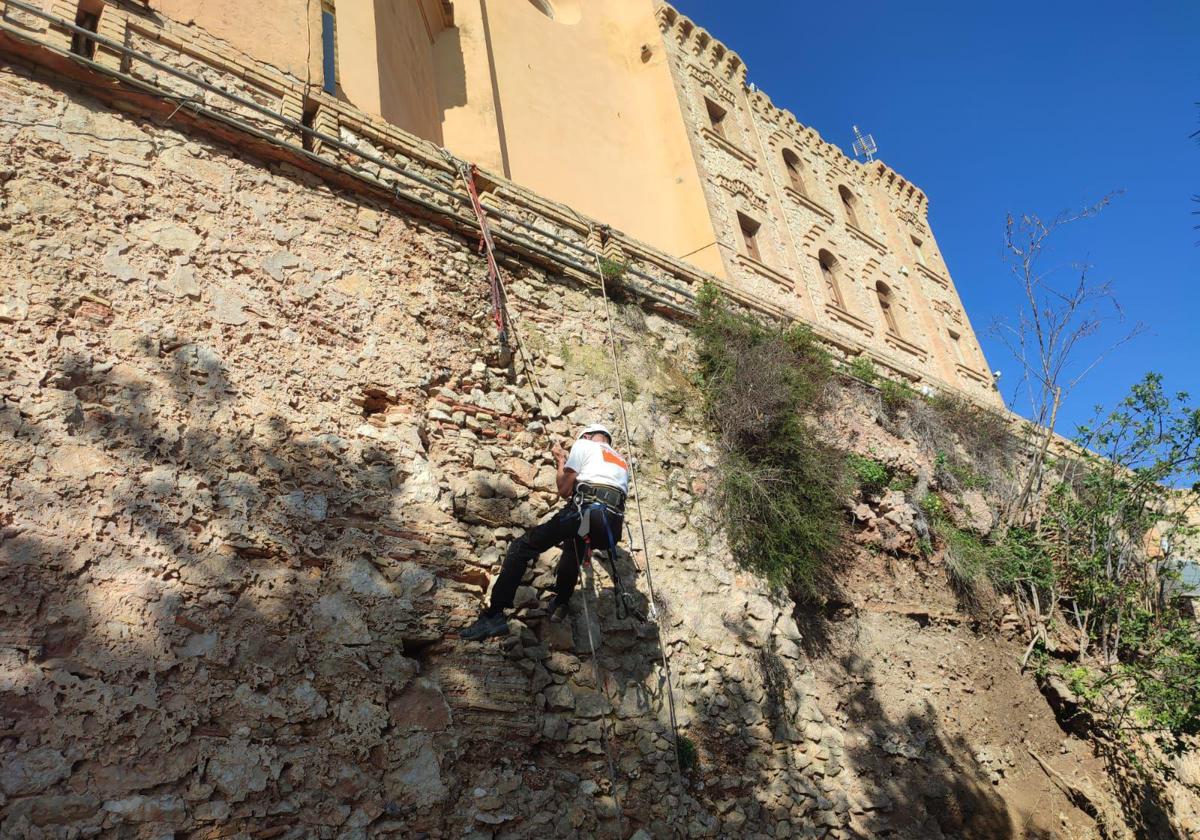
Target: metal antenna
864, 145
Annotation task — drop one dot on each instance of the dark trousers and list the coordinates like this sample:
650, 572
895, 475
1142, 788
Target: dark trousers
560, 529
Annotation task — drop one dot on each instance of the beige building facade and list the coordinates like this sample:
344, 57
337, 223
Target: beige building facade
628, 112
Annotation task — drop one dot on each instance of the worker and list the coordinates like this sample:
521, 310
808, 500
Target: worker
594, 480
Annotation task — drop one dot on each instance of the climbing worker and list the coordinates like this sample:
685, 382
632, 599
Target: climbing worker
594, 478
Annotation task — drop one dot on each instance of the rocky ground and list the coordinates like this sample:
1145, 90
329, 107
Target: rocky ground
260, 466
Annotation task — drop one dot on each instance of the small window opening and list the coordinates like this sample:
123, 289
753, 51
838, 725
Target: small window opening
716, 117
917, 247
791, 163
848, 203
885, 306
956, 343
329, 63
308, 119
87, 16
749, 229
829, 268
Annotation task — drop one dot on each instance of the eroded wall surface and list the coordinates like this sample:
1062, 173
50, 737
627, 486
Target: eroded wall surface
257, 470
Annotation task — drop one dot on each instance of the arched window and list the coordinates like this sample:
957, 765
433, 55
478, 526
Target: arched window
791, 163
848, 203
885, 306
829, 274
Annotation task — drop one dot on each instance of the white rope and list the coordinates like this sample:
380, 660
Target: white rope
602, 686
633, 464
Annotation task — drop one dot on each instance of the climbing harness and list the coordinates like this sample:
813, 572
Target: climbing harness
605, 501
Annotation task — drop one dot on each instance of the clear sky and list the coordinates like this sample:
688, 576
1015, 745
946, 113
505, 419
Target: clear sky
1017, 106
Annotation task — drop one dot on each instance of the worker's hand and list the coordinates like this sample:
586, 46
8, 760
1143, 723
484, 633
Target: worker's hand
560, 454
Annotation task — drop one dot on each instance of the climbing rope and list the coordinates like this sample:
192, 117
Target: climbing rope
601, 685
500, 317
468, 174
633, 465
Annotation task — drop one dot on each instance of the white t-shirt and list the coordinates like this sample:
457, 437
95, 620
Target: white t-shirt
598, 463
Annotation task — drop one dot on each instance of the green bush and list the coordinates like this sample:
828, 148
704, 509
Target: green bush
631, 387
969, 561
934, 507
779, 489
872, 476
612, 270
958, 474
862, 369
896, 396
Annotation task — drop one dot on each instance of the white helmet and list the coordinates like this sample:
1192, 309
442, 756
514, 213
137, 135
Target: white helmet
595, 428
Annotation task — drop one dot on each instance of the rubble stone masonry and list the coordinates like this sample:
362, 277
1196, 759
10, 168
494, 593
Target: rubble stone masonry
259, 463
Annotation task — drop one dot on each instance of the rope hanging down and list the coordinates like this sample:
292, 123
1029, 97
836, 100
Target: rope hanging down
468, 173
504, 325
488, 248
633, 464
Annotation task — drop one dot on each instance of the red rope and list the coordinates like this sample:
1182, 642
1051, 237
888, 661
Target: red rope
488, 248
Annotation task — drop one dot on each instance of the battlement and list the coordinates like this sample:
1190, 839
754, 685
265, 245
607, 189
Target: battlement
699, 42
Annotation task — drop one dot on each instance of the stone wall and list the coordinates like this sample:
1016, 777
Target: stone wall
260, 466
800, 214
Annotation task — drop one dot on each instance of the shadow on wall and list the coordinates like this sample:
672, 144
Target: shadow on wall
203, 592
929, 783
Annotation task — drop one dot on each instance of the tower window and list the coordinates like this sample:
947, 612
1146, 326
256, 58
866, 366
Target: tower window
956, 343
829, 272
791, 162
749, 229
848, 203
917, 247
88, 17
329, 73
885, 306
716, 117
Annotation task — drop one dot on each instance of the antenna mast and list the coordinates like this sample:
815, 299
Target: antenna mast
864, 145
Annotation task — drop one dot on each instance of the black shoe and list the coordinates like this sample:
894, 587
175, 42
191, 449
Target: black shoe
557, 610
485, 627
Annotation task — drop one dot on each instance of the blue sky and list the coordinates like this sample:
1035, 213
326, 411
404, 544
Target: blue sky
1024, 107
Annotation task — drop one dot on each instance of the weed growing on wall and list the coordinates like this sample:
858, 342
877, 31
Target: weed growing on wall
779, 488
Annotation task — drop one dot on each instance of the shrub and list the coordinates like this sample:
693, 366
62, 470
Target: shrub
872, 476
896, 396
934, 507
779, 489
968, 559
612, 270
958, 474
862, 369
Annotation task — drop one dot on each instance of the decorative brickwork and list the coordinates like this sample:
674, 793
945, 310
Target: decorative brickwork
753, 168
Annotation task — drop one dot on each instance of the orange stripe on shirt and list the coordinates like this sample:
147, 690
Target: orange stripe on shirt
614, 458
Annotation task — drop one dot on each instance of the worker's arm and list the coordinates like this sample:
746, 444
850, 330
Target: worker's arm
564, 478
